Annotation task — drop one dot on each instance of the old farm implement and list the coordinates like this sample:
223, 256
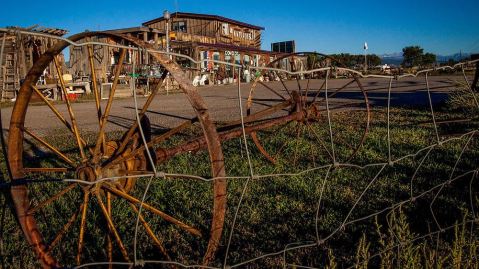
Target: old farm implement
104, 166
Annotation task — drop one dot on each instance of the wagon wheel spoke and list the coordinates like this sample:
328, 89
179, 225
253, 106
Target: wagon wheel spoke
317, 95
55, 197
365, 130
154, 141
272, 90
104, 117
300, 89
112, 228
148, 229
108, 236
81, 236
154, 210
53, 108
259, 145
307, 88
45, 170
142, 113
338, 90
258, 116
94, 80
318, 138
315, 101
285, 88
56, 112
65, 229
50, 147
95, 87
70, 110
299, 131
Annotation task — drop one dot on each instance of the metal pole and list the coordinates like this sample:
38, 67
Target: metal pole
133, 73
365, 57
365, 62
168, 50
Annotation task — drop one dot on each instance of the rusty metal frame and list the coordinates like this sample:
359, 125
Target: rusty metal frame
297, 100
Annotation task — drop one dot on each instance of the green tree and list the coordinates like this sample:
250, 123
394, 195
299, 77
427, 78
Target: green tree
374, 60
428, 59
412, 56
350, 60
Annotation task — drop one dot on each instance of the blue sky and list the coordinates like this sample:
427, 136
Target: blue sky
442, 27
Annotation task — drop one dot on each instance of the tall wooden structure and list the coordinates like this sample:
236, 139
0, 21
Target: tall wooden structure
20, 52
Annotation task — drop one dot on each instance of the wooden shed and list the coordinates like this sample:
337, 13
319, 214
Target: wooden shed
20, 51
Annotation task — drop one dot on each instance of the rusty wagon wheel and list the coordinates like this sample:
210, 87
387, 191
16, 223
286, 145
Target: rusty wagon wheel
301, 98
90, 156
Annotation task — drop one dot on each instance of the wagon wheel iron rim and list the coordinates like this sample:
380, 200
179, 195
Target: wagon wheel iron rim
90, 168
297, 97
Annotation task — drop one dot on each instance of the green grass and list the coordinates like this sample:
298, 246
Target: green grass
280, 210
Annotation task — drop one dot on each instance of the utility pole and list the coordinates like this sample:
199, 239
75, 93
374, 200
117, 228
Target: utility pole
167, 16
365, 57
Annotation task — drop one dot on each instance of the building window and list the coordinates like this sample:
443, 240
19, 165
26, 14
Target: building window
179, 26
216, 57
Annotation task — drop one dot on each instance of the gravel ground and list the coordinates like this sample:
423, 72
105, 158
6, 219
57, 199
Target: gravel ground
168, 111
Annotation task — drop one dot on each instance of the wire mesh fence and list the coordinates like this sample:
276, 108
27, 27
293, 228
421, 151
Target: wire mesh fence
318, 172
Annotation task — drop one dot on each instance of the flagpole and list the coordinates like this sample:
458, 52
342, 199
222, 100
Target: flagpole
365, 57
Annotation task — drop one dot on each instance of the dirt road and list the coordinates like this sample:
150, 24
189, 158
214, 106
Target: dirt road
167, 111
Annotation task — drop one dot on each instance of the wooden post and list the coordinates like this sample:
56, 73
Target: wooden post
23, 62
233, 60
196, 57
145, 55
30, 54
222, 67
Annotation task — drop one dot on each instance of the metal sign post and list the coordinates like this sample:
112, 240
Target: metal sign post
365, 57
166, 15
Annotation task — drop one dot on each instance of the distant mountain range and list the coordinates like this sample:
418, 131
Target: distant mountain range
397, 58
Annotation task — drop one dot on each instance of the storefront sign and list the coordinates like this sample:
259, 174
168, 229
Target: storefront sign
238, 33
231, 53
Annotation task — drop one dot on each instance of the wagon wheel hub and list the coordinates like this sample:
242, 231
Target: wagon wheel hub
94, 172
87, 173
311, 113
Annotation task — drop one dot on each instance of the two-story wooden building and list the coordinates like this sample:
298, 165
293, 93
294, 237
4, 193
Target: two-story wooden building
198, 36
213, 37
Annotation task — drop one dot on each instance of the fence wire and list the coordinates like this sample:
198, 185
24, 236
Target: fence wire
329, 169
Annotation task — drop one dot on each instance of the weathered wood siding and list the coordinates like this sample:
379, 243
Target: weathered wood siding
212, 32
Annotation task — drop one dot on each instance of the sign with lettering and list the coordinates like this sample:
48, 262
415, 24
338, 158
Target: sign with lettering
237, 33
231, 53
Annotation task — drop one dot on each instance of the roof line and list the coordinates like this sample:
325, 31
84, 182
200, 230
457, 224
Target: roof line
134, 29
206, 16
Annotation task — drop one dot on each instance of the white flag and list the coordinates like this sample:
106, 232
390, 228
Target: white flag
365, 45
